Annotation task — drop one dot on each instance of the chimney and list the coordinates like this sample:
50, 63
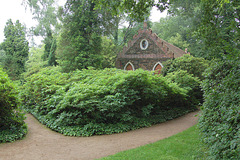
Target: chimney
145, 24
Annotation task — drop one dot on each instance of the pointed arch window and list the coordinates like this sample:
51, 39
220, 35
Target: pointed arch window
129, 66
157, 68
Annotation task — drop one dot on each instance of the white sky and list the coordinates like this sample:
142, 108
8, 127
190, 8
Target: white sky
14, 10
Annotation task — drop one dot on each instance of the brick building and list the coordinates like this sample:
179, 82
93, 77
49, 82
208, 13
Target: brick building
147, 51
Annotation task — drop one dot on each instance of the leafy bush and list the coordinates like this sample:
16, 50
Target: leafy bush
88, 102
12, 126
220, 120
192, 65
189, 83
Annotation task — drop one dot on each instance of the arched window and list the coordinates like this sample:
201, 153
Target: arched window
129, 66
157, 68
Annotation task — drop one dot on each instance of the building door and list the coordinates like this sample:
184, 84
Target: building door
158, 69
129, 67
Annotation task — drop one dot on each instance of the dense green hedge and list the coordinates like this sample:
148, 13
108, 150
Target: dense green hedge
189, 83
12, 126
187, 71
220, 120
193, 65
88, 102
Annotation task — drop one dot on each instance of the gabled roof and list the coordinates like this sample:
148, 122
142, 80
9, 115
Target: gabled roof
168, 49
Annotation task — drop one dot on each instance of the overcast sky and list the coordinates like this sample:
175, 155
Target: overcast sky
14, 10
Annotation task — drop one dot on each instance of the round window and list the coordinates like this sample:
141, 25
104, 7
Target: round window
144, 44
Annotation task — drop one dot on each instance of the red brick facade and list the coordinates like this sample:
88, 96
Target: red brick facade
147, 51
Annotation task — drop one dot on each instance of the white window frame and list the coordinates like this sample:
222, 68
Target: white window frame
156, 65
142, 46
130, 64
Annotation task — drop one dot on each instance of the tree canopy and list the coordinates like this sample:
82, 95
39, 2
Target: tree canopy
135, 9
15, 47
45, 12
80, 41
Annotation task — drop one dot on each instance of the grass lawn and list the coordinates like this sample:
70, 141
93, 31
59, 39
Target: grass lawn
182, 146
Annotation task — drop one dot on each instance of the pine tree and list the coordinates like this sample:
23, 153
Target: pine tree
52, 58
80, 43
16, 48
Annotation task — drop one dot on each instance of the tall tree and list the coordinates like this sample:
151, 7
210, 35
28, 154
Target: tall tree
45, 12
215, 25
110, 23
16, 48
80, 42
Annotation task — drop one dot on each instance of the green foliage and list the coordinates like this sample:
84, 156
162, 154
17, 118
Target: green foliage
88, 102
187, 72
49, 49
172, 27
110, 23
189, 83
186, 18
219, 28
135, 9
80, 41
214, 26
192, 65
3, 56
35, 61
48, 40
108, 53
179, 30
211, 28
218, 32
219, 123
16, 49
177, 41
44, 12
12, 126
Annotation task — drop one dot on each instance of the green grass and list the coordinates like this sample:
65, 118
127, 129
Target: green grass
182, 146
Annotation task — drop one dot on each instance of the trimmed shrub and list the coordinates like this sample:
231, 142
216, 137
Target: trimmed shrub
12, 126
190, 83
193, 65
220, 120
89, 102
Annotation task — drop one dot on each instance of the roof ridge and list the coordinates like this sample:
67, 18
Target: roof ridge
165, 46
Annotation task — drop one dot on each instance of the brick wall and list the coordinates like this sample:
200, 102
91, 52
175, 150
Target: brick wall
146, 64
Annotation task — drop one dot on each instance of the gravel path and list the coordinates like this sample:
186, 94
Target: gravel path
43, 144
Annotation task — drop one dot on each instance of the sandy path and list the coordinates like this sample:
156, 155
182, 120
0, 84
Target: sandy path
43, 144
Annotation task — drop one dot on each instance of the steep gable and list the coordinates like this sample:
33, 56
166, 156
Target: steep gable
156, 50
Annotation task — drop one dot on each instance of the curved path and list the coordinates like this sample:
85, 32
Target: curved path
43, 144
